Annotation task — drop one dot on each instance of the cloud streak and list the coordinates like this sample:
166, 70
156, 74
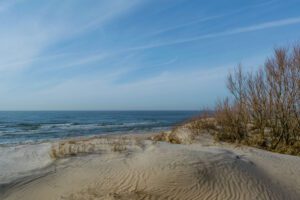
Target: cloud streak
192, 22
234, 31
210, 18
90, 55
25, 39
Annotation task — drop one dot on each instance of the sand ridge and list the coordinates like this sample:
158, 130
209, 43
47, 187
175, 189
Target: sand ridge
158, 170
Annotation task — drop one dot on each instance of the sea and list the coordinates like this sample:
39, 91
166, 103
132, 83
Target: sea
19, 127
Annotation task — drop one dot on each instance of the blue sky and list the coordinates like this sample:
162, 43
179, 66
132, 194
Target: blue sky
133, 54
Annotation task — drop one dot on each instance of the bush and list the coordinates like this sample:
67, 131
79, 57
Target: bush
264, 106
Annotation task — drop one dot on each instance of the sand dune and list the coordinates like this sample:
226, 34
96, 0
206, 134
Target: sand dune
22, 160
158, 170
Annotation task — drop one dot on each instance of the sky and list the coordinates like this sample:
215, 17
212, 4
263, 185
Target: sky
134, 54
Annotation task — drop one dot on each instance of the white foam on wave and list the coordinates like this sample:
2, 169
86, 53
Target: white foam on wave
70, 126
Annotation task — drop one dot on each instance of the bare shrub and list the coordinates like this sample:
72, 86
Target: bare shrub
231, 114
264, 107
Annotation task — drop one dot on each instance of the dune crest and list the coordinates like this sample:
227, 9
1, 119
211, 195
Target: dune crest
158, 170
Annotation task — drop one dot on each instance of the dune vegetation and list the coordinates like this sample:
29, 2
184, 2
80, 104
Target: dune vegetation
263, 109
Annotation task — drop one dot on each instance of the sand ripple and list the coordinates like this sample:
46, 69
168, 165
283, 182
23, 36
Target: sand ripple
160, 171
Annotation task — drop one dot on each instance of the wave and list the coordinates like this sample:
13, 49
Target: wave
36, 126
30, 126
98, 125
23, 133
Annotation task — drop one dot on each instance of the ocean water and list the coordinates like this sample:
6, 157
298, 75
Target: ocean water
27, 127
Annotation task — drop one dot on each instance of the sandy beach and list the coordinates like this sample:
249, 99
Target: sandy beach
133, 167
150, 100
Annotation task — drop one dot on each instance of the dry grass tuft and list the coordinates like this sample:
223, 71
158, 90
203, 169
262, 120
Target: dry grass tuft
118, 146
180, 135
96, 145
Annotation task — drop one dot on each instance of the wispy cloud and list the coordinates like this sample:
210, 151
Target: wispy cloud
210, 18
25, 39
234, 31
109, 10
151, 93
89, 55
192, 22
84, 60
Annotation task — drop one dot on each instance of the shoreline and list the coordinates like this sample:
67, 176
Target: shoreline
131, 166
108, 134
